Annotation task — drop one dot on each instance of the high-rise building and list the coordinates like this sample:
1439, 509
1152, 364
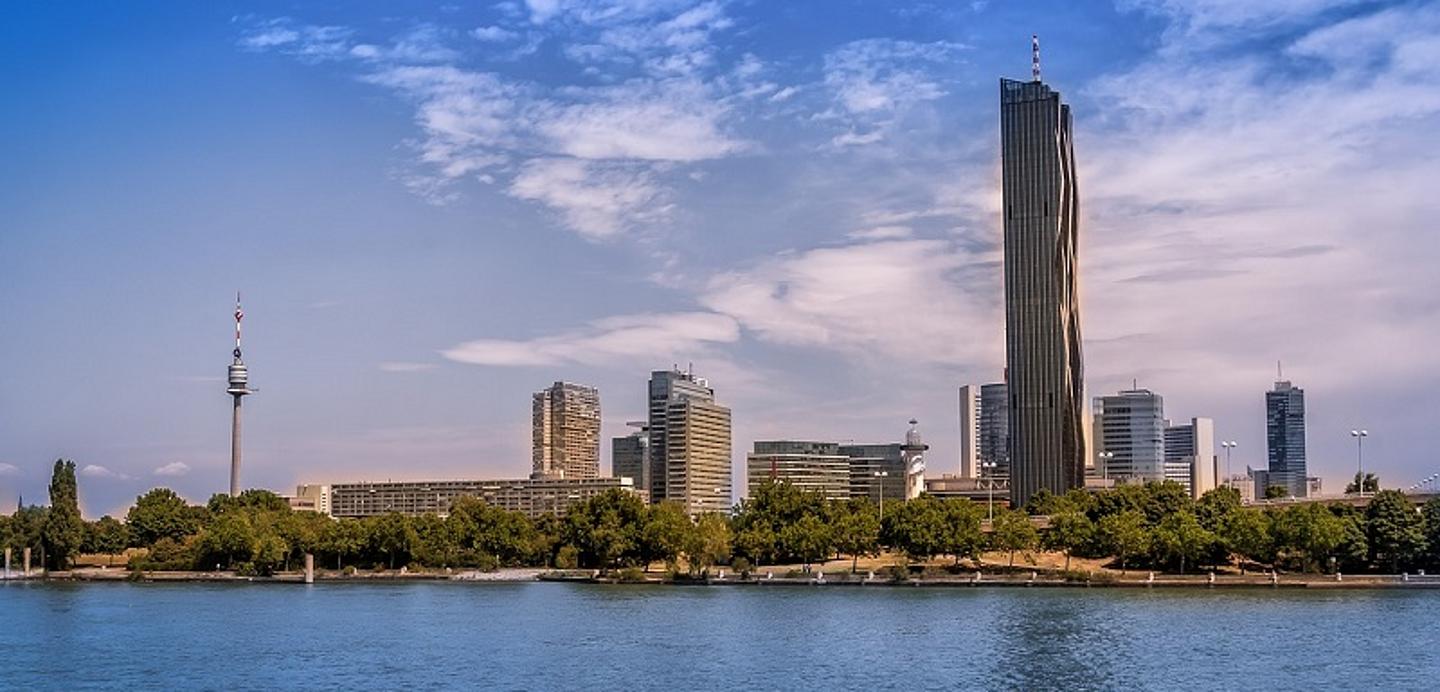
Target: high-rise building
565, 432
1132, 429
807, 465
1042, 302
630, 458
697, 455
1190, 455
1285, 435
666, 388
984, 431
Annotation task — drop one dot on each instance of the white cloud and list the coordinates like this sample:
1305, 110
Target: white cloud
97, 471
671, 121
174, 468
9, 469
310, 43
875, 81
394, 366
494, 34
882, 233
646, 338
598, 200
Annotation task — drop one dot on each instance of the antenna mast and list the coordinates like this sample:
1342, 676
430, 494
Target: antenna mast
1035, 57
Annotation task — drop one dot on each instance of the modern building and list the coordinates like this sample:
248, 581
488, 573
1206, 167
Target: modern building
310, 498
1045, 370
630, 458
666, 388
876, 470
1190, 455
532, 497
565, 432
1132, 436
807, 465
697, 455
984, 431
1285, 435
949, 486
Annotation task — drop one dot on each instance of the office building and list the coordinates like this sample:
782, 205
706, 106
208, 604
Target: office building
310, 498
630, 458
1042, 303
810, 466
984, 431
666, 388
1190, 455
1132, 435
565, 432
876, 470
1285, 436
532, 497
697, 455
969, 431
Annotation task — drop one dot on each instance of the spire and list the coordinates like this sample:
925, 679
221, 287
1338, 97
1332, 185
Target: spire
1035, 57
239, 315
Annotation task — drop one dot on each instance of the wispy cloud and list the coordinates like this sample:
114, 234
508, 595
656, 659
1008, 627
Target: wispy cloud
610, 341
9, 469
97, 471
874, 82
174, 468
397, 366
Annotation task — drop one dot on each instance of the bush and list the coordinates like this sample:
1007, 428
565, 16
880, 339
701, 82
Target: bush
631, 575
168, 554
567, 558
741, 567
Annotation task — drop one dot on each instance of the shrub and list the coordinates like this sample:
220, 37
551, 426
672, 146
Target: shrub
631, 575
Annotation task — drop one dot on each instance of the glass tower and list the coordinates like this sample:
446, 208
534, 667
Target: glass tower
1042, 303
1285, 435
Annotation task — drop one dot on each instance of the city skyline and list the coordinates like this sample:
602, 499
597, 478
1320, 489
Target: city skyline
811, 218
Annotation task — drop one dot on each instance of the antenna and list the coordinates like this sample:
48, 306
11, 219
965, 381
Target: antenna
239, 315
1035, 57
1279, 373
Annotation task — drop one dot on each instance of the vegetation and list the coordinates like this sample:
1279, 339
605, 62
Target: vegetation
1155, 526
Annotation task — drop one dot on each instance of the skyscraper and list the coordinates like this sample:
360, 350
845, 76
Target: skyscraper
1285, 435
565, 432
1132, 429
689, 442
984, 431
1042, 303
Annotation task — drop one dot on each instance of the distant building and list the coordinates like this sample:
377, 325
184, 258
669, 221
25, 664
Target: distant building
1045, 370
876, 469
1132, 430
949, 486
697, 455
1314, 487
1245, 485
1285, 435
310, 498
969, 431
668, 387
1190, 455
630, 458
984, 431
532, 497
810, 466
565, 432
913, 456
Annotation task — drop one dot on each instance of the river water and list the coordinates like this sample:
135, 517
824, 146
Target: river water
543, 636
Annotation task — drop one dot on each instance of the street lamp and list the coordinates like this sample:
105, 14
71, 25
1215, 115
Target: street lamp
1229, 445
990, 465
1360, 436
882, 475
1105, 458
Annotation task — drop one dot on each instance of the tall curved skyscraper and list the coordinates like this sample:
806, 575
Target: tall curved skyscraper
1042, 303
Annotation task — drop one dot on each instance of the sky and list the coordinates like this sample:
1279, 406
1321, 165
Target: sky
434, 211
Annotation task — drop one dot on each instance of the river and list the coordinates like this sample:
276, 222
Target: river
543, 636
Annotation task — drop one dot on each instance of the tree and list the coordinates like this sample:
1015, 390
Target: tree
916, 528
1372, 484
229, 539
807, 539
962, 536
856, 529
756, 543
106, 536
1012, 531
64, 528
1124, 535
1308, 535
708, 543
343, 537
1395, 531
666, 534
1276, 492
1431, 512
158, 514
392, 535
1069, 532
1180, 538
1246, 532
606, 528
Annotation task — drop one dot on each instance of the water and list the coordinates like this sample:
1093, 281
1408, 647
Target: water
562, 636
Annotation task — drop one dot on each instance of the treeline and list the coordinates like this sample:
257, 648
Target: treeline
1156, 526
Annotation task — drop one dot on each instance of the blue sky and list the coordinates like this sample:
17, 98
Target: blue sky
434, 211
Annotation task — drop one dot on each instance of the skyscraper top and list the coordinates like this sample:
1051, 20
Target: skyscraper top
1035, 57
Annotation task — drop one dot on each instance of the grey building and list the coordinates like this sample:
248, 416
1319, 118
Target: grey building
668, 387
529, 496
1132, 434
1042, 304
697, 455
565, 432
630, 458
807, 465
1285, 435
984, 431
1190, 456
867, 460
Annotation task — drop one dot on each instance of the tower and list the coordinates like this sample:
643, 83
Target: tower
239, 386
565, 430
1285, 437
1042, 303
913, 453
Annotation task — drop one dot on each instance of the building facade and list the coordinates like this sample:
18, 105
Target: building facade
667, 387
565, 432
1190, 455
984, 431
697, 455
1285, 437
810, 466
310, 498
532, 497
630, 458
1044, 363
876, 470
1132, 436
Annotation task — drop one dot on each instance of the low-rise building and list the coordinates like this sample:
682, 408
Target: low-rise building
807, 465
532, 497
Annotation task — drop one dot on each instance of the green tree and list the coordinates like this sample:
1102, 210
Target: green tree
962, 536
106, 537
1308, 535
1179, 538
916, 528
756, 543
1124, 535
158, 514
391, 535
1276, 492
1372, 484
64, 528
26, 528
1012, 532
808, 539
342, 538
855, 529
1395, 531
1069, 533
665, 535
707, 543
606, 528
228, 540
1043, 502
1431, 512
1246, 533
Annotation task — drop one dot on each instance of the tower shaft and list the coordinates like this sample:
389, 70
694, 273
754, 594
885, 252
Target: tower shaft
235, 450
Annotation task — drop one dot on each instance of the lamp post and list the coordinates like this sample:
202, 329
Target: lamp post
1229, 445
882, 475
991, 485
1105, 458
1360, 436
